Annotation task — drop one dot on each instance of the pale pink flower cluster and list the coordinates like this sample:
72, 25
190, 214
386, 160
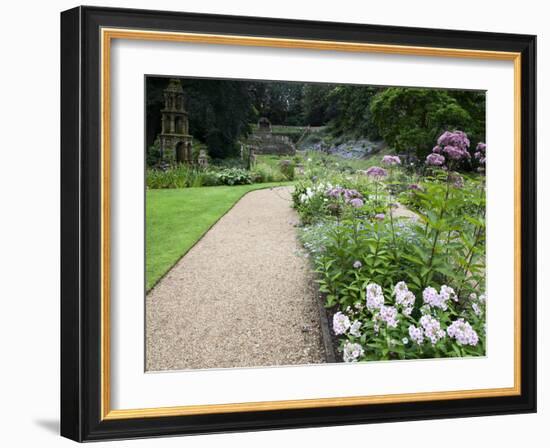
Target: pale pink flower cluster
476, 302
463, 332
352, 351
388, 314
416, 334
435, 159
432, 328
428, 330
375, 297
391, 160
481, 149
340, 323
352, 197
439, 300
448, 293
404, 297
376, 172
354, 329
454, 145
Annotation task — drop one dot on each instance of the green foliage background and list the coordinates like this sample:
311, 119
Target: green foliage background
408, 119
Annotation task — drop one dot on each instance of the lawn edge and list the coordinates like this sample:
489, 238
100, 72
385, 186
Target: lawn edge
282, 184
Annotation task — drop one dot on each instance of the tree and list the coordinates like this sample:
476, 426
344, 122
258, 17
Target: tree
316, 104
219, 112
280, 102
474, 103
353, 115
154, 103
410, 119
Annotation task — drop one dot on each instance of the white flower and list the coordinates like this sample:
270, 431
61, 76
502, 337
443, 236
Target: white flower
340, 323
463, 332
388, 314
375, 298
448, 293
439, 300
432, 328
476, 309
352, 351
354, 329
416, 334
404, 297
400, 287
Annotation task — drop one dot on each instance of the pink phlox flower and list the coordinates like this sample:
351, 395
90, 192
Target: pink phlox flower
352, 352
391, 160
435, 159
340, 323
432, 328
416, 334
463, 333
376, 172
388, 314
375, 297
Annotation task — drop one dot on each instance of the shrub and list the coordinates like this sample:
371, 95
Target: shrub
153, 156
263, 172
410, 119
180, 176
234, 176
210, 178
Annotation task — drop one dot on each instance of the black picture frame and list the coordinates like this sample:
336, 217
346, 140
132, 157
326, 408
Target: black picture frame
81, 224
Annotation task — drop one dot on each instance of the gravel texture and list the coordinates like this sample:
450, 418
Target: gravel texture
403, 212
243, 296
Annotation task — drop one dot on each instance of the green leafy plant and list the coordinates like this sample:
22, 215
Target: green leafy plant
234, 176
179, 176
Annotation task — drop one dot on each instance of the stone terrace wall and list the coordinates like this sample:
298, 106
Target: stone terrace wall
267, 143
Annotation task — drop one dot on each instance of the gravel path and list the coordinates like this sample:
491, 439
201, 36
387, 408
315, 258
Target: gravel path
403, 212
241, 297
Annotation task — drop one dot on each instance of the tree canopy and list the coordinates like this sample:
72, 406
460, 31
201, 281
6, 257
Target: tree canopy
407, 119
410, 119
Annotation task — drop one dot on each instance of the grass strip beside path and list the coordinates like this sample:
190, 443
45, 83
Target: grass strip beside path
177, 218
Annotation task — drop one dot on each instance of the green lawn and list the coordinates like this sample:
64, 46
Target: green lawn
177, 218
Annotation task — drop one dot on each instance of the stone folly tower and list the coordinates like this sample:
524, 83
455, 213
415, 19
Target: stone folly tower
175, 141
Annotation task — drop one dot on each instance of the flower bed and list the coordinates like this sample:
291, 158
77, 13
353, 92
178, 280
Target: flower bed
401, 287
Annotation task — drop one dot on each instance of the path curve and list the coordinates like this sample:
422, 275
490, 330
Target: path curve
243, 296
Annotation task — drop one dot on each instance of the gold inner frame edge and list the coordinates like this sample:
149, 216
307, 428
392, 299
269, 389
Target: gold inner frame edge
107, 35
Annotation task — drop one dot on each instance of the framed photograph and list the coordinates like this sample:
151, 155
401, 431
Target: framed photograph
272, 224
